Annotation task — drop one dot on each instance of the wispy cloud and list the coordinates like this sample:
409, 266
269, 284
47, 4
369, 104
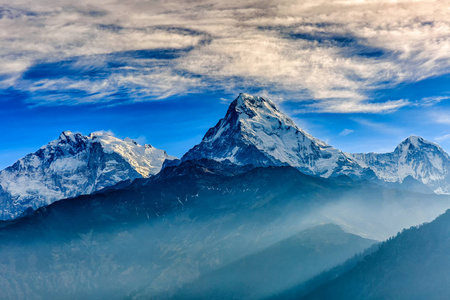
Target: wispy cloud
379, 126
333, 52
440, 117
350, 105
430, 101
441, 138
346, 132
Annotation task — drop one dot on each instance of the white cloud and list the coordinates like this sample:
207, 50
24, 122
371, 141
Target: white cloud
430, 101
333, 52
442, 118
354, 106
380, 126
444, 137
346, 132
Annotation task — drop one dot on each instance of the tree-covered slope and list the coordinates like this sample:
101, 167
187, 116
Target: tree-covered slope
413, 265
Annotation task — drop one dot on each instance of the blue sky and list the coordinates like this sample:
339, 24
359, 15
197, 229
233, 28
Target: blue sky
360, 75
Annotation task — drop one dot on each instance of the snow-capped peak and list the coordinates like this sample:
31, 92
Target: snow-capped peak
74, 164
67, 137
415, 141
255, 132
416, 157
145, 159
250, 106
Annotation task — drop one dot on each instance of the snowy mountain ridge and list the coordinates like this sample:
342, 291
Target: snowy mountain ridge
255, 132
416, 157
73, 165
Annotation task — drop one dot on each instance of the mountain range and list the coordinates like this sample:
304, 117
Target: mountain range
253, 133
74, 165
258, 208
415, 157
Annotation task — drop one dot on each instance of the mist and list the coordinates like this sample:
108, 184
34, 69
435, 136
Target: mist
153, 239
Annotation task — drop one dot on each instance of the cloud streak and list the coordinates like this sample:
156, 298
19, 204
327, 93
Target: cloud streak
346, 132
327, 55
441, 138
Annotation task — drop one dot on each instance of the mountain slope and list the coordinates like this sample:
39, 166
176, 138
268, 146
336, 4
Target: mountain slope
422, 160
413, 265
254, 132
153, 235
73, 165
157, 234
278, 266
